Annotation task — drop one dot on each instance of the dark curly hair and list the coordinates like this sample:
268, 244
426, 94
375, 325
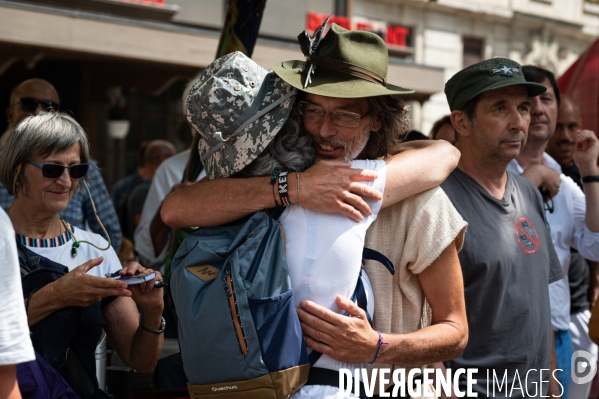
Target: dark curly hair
393, 114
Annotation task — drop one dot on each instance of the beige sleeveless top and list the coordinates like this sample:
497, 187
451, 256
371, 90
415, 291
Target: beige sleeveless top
412, 234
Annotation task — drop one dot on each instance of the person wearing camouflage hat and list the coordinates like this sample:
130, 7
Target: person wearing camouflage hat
508, 259
237, 107
359, 119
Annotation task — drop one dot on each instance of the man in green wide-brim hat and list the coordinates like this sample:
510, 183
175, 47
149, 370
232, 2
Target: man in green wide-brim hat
351, 112
350, 64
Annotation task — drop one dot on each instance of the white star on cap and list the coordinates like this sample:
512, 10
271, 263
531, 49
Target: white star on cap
506, 70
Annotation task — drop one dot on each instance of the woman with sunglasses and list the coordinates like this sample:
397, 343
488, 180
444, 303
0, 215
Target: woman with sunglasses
43, 163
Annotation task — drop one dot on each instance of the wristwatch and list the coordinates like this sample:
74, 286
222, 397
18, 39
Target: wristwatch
162, 325
590, 179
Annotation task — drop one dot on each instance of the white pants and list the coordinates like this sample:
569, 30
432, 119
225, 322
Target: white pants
329, 392
320, 392
579, 330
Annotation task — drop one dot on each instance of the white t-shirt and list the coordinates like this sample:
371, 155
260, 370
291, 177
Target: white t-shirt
15, 344
324, 253
568, 229
62, 253
169, 173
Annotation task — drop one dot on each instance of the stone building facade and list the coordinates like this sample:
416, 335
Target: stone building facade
452, 34
149, 49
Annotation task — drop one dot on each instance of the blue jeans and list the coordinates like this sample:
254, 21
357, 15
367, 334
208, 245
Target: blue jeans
563, 354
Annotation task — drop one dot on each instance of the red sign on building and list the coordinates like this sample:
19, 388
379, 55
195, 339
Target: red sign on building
392, 34
315, 20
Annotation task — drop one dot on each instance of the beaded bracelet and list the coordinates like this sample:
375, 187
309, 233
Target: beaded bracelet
273, 180
378, 349
298, 188
590, 179
283, 191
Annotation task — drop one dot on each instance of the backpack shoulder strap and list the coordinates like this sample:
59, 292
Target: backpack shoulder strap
371, 254
275, 213
359, 295
78, 375
360, 299
27, 259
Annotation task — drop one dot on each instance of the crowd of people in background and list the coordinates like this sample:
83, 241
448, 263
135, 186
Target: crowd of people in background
526, 186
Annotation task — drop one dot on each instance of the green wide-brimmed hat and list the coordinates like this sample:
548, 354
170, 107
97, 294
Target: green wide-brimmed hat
348, 64
484, 76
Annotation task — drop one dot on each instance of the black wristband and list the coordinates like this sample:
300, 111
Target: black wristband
273, 181
283, 190
590, 179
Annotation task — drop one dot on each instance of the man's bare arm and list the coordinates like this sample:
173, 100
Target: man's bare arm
9, 388
544, 176
352, 339
594, 286
446, 338
554, 389
416, 169
585, 156
328, 186
159, 231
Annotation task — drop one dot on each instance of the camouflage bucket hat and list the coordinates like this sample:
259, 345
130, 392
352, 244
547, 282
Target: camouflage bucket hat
485, 76
345, 64
237, 107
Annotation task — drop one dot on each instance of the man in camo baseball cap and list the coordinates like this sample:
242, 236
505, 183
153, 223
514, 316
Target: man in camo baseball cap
237, 107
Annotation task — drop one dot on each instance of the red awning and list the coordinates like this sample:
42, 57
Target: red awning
581, 82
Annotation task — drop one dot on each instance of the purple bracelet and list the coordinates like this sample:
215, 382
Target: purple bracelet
378, 350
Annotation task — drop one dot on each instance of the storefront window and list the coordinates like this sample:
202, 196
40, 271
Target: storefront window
151, 118
473, 51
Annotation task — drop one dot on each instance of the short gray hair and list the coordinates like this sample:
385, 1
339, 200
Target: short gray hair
291, 150
41, 134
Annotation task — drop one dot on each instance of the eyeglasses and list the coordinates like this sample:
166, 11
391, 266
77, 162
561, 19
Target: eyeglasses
341, 118
54, 171
31, 104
